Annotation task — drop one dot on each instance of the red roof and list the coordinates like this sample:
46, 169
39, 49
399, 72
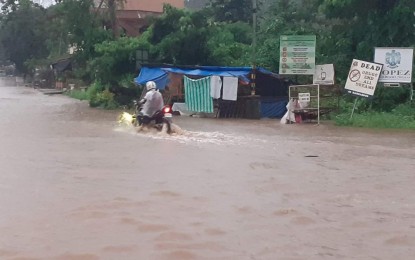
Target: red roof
151, 5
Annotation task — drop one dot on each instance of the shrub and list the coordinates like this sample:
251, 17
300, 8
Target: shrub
94, 89
100, 96
126, 90
104, 99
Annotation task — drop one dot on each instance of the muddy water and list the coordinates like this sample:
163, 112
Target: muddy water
75, 186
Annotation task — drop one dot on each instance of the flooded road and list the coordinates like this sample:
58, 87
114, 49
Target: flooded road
76, 186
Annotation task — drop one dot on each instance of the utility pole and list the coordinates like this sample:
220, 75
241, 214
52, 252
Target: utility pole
253, 76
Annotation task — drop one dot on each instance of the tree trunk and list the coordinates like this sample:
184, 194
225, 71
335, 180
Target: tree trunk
112, 8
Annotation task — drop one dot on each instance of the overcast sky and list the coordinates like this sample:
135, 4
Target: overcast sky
45, 3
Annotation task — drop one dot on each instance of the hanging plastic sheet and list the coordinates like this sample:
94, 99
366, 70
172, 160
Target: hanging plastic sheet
197, 95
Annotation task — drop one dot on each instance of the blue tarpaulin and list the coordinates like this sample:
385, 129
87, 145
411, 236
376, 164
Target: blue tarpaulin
213, 71
155, 74
273, 108
159, 74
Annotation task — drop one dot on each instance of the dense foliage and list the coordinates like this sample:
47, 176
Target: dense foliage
221, 33
23, 32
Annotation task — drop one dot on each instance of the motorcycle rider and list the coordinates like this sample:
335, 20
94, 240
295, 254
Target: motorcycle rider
152, 102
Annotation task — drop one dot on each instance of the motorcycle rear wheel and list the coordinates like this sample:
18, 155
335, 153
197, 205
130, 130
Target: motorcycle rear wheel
135, 122
168, 124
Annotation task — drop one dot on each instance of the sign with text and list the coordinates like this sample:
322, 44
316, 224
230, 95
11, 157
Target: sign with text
297, 54
304, 97
397, 64
363, 78
324, 74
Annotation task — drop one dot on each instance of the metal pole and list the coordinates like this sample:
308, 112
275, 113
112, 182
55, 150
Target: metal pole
254, 9
354, 106
318, 104
289, 105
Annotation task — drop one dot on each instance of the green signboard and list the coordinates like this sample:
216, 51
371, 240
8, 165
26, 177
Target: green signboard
297, 54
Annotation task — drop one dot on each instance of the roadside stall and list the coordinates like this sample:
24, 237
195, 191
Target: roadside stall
222, 92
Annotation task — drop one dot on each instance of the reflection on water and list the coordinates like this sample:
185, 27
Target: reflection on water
178, 134
185, 137
76, 186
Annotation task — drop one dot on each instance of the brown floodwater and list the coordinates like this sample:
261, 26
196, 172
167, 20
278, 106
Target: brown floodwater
74, 185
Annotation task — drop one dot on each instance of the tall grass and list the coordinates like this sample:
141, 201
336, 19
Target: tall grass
402, 117
78, 94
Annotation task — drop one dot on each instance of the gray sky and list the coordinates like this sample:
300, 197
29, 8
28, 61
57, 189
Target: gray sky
45, 3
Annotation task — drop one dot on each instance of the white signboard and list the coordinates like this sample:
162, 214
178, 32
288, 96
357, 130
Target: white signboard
363, 78
304, 97
324, 74
297, 54
397, 64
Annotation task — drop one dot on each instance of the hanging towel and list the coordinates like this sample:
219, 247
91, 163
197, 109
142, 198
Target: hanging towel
230, 88
197, 95
215, 86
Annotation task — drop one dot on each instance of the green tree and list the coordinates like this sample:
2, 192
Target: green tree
114, 58
196, 4
232, 10
285, 17
83, 27
182, 37
179, 37
229, 44
73, 23
359, 26
22, 32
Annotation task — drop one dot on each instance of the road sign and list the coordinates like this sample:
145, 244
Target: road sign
297, 54
363, 78
324, 74
304, 97
397, 64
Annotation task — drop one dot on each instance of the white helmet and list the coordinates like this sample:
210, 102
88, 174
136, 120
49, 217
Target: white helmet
150, 85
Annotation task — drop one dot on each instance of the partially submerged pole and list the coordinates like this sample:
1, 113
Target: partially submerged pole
354, 106
253, 74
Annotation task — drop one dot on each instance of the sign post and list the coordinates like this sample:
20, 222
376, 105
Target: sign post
397, 64
324, 74
362, 80
304, 97
297, 54
354, 107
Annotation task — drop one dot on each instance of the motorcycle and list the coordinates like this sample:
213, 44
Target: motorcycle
162, 118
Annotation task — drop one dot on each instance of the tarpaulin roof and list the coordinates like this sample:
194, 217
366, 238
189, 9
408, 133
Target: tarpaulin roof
159, 74
62, 65
155, 74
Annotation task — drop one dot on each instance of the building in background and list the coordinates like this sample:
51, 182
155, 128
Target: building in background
132, 14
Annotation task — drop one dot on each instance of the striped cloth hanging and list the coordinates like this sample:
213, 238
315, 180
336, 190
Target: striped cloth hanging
197, 95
